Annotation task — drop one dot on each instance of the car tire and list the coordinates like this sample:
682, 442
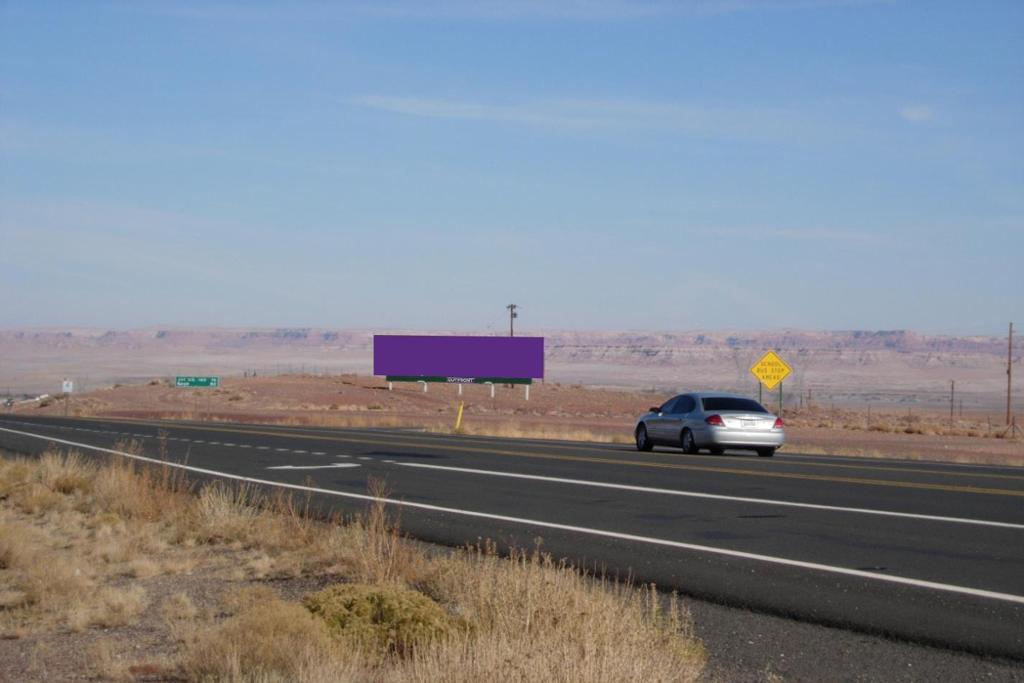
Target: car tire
643, 441
766, 452
687, 442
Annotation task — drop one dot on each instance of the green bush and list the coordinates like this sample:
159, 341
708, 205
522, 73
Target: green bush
378, 618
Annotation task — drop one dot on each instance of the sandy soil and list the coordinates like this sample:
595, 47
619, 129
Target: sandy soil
553, 410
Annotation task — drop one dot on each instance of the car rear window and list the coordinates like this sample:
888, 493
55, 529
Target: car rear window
729, 403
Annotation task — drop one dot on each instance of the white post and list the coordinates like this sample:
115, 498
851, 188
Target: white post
460, 388
492, 389
391, 386
527, 392
424, 386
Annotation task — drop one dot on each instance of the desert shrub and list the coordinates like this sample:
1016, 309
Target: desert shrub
14, 475
272, 640
380, 619
109, 607
225, 513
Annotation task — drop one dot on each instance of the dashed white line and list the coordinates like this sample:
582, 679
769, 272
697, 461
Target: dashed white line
282, 450
298, 451
213, 443
263, 448
244, 445
769, 559
319, 453
230, 444
332, 466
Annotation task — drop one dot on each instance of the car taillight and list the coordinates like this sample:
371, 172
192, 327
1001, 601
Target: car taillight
778, 423
714, 420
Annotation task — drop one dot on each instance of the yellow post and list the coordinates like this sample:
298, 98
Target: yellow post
458, 417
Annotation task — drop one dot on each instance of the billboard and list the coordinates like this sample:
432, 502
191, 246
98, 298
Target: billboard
458, 359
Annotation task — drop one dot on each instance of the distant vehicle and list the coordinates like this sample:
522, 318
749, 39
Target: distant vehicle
711, 421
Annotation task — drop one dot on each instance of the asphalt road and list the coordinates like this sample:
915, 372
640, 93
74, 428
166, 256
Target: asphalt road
926, 552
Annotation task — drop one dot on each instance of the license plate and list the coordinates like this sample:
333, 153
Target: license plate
748, 423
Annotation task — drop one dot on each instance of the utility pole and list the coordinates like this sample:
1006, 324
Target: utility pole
1009, 378
952, 397
512, 315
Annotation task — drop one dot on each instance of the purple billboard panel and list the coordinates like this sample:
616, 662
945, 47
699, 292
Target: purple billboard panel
422, 356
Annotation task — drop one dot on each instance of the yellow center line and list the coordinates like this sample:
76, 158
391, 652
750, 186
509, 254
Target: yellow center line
290, 431
631, 463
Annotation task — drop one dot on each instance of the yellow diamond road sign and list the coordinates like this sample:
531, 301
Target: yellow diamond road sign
770, 370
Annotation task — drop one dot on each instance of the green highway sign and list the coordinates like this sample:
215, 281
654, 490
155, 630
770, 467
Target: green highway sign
211, 382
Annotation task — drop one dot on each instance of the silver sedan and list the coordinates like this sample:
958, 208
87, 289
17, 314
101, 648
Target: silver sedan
712, 421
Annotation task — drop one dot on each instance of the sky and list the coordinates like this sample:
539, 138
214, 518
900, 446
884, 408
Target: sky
604, 164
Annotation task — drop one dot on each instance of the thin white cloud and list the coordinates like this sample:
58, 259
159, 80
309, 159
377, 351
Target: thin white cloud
475, 9
916, 113
584, 114
833, 235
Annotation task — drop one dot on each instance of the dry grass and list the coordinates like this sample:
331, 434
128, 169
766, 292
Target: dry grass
927, 423
269, 640
87, 546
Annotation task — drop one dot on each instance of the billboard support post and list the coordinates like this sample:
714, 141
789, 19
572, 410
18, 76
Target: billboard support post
527, 392
492, 388
460, 389
424, 386
391, 386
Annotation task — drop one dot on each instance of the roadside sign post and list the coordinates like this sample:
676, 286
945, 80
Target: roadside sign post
770, 370
67, 387
193, 382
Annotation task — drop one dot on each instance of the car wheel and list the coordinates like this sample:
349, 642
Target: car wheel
643, 442
687, 442
766, 452
717, 451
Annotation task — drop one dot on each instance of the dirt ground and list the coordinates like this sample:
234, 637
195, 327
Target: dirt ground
556, 411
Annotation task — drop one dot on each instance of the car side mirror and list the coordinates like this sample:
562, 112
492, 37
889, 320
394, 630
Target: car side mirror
655, 409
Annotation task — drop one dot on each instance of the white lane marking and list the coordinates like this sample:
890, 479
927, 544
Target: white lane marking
298, 451
263, 448
341, 455
886, 578
363, 458
315, 467
183, 439
244, 445
213, 443
319, 453
230, 444
714, 496
282, 450
198, 441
